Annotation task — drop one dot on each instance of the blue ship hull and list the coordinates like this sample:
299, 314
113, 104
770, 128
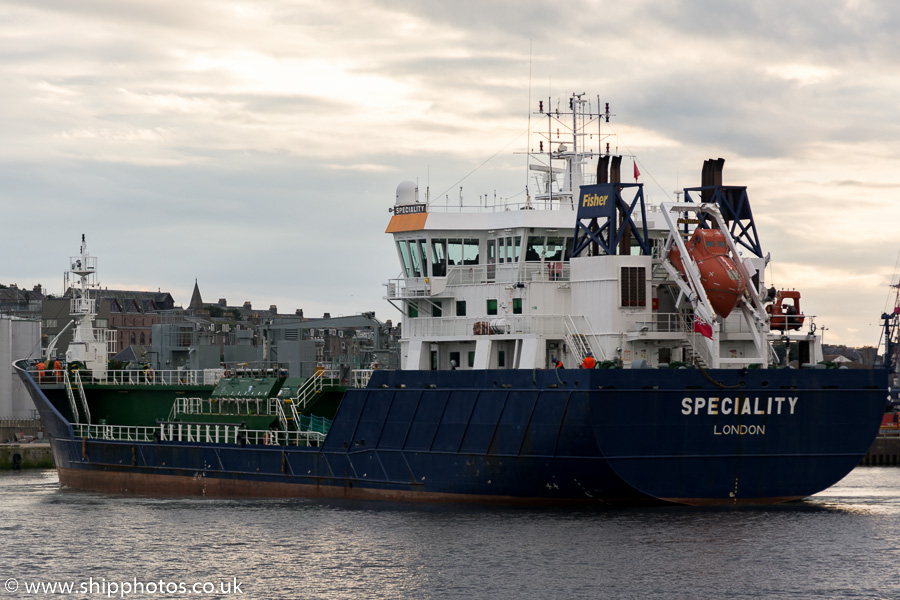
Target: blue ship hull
601, 436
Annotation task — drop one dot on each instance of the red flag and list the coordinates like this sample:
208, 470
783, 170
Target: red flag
702, 327
636, 172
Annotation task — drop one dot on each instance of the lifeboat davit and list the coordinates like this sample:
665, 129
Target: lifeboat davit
786, 315
723, 283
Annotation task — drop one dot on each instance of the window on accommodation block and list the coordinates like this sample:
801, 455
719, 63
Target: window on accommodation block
634, 287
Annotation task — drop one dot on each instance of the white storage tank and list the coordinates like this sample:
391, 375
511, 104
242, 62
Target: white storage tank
19, 338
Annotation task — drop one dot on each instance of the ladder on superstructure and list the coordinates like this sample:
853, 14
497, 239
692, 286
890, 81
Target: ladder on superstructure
699, 352
580, 342
305, 394
80, 411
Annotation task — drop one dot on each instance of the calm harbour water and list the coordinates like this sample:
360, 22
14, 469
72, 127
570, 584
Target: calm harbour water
842, 543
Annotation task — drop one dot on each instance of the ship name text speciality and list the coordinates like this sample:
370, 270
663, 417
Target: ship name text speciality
773, 405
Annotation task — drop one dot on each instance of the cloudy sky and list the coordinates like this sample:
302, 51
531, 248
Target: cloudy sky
257, 146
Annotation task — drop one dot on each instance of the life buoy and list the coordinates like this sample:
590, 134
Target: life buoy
266, 438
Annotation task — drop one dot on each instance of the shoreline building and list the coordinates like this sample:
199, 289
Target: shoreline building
19, 338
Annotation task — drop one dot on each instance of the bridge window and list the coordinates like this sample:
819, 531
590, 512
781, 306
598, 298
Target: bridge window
535, 249
404, 253
462, 252
555, 246
470, 252
455, 252
551, 248
423, 252
439, 258
509, 249
414, 255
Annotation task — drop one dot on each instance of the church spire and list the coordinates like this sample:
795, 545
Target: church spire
196, 300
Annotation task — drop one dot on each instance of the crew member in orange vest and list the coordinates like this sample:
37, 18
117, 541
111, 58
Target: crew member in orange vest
589, 362
57, 370
40, 368
557, 364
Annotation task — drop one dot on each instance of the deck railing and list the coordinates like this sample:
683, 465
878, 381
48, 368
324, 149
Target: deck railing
510, 273
122, 433
135, 377
360, 377
506, 324
204, 433
222, 406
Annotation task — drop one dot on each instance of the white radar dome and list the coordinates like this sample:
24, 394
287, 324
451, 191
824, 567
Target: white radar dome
407, 193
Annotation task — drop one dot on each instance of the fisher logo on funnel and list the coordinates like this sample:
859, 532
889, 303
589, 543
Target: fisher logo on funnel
594, 200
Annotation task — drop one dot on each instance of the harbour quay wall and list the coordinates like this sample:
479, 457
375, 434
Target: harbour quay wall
884, 452
19, 430
25, 456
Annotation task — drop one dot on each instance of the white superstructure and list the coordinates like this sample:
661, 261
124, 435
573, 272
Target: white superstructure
498, 287
90, 345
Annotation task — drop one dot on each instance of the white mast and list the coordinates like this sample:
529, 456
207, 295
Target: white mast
89, 345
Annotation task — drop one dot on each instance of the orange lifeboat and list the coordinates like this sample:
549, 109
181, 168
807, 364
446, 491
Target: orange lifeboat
785, 315
723, 283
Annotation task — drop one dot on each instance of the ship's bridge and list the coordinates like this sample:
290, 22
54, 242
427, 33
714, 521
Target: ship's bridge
436, 250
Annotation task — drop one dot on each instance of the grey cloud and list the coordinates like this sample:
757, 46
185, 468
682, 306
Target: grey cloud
232, 184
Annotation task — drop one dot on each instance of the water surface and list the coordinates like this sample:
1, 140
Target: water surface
841, 543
